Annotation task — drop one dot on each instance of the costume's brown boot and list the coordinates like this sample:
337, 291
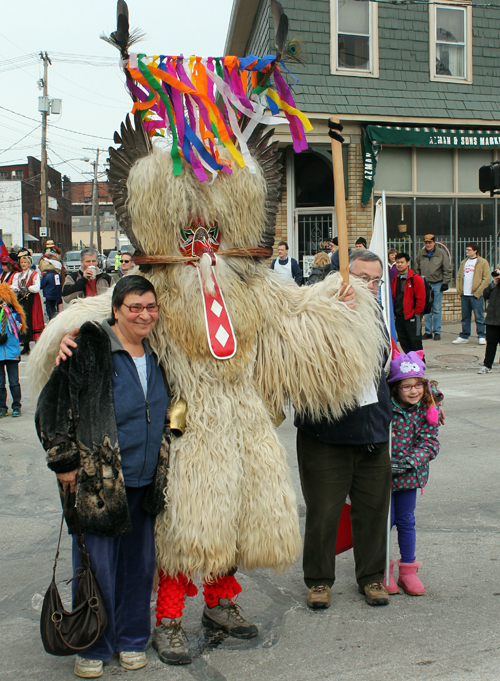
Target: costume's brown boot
318, 597
170, 641
375, 594
226, 617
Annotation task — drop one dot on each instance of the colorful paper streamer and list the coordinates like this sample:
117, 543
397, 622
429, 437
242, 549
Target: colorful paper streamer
201, 102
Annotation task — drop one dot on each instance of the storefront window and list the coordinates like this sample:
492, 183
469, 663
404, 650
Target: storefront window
394, 169
435, 170
469, 163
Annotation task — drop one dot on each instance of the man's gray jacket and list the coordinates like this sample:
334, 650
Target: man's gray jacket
435, 268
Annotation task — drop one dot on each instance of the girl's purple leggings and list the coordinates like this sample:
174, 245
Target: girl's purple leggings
403, 504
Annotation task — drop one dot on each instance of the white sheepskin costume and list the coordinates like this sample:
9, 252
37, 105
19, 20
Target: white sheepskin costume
229, 500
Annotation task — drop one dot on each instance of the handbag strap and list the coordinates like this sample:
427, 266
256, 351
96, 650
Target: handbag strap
69, 507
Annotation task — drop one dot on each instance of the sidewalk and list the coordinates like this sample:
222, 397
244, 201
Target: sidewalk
444, 355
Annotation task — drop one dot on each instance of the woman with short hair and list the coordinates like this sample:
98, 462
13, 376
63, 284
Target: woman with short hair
102, 419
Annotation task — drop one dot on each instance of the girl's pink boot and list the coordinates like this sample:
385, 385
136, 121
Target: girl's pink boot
392, 589
408, 579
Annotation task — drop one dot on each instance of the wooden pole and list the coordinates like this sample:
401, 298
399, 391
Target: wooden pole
339, 188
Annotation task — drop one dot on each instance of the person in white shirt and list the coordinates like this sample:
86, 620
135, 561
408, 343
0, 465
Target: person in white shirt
472, 278
285, 266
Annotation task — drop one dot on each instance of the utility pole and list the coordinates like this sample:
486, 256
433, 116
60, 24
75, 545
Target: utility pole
96, 221
44, 108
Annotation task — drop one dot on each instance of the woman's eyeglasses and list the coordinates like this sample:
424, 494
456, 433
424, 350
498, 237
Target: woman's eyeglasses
407, 388
137, 308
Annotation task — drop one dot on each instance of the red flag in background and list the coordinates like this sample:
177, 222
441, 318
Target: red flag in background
3, 248
344, 532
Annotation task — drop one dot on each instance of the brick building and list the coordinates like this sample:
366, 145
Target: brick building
83, 222
417, 88
20, 209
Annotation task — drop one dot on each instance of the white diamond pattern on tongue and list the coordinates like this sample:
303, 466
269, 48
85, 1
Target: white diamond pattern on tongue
216, 309
222, 336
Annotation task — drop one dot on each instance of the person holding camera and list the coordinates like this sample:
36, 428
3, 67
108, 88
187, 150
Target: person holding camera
89, 280
433, 263
491, 294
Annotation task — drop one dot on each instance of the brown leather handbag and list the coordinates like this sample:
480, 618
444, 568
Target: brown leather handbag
70, 633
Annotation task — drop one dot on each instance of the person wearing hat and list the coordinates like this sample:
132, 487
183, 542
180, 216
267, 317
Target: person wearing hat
26, 284
361, 244
333, 246
8, 269
51, 281
415, 422
334, 255
433, 263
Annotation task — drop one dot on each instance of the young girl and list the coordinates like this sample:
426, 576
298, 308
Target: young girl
12, 322
414, 445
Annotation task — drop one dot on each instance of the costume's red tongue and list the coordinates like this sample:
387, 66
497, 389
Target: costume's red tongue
220, 334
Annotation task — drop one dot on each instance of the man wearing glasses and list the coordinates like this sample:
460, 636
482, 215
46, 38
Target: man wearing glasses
408, 295
348, 456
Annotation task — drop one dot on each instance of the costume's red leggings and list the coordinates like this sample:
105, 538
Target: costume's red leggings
172, 592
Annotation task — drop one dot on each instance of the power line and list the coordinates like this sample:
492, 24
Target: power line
27, 135
56, 127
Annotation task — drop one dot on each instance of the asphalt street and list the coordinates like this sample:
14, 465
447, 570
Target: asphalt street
450, 634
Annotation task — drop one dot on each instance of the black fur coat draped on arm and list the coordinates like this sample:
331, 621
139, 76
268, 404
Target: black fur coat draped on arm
76, 424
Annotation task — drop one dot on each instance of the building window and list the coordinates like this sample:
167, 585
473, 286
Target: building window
18, 175
451, 42
354, 44
4, 174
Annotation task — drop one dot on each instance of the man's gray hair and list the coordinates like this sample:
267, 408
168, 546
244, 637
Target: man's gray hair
88, 251
365, 256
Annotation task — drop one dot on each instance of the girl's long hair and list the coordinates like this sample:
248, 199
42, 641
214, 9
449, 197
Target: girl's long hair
8, 295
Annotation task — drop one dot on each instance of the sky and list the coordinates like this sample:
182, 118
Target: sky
94, 99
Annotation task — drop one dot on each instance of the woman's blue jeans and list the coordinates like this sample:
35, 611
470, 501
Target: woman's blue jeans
124, 567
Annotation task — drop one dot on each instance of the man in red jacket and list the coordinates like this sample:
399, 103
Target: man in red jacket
408, 295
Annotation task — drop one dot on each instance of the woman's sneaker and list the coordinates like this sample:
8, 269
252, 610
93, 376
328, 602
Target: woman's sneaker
484, 370
132, 661
88, 669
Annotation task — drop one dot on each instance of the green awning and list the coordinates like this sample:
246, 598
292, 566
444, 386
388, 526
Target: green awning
375, 135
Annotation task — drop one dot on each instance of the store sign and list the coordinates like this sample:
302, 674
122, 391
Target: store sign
376, 135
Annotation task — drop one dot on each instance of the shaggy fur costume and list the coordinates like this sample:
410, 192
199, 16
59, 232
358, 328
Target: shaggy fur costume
229, 499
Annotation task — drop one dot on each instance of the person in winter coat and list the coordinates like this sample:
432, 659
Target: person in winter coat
12, 322
433, 263
472, 278
492, 295
320, 268
414, 444
26, 284
51, 282
89, 281
408, 296
107, 441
